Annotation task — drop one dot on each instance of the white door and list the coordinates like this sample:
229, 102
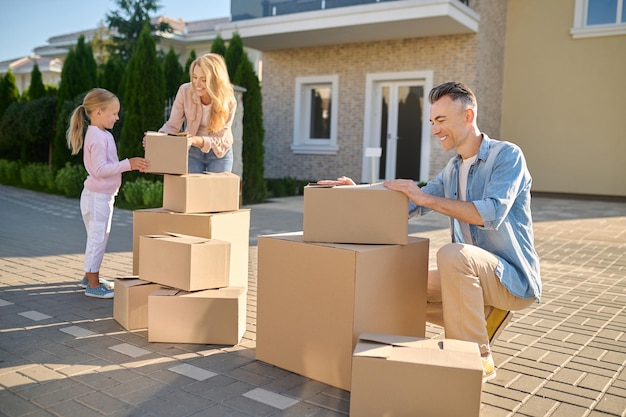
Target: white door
399, 107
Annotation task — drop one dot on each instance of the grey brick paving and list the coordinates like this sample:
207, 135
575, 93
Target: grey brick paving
62, 354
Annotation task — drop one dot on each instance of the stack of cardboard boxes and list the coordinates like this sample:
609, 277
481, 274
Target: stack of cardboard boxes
190, 257
348, 292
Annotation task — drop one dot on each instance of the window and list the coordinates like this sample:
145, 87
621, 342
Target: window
315, 117
599, 18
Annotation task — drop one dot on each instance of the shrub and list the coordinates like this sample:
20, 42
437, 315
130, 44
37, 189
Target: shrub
9, 172
284, 187
38, 177
70, 179
142, 193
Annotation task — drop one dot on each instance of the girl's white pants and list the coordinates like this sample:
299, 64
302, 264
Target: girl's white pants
97, 211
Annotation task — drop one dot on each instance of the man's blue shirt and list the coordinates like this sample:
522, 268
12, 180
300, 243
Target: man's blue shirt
498, 184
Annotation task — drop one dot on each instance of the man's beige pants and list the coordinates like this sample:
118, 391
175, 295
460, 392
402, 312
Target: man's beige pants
463, 290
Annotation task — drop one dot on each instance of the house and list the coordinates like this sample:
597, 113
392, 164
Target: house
343, 79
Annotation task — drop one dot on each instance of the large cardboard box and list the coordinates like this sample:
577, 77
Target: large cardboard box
314, 300
185, 262
167, 153
403, 376
130, 304
233, 227
201, 193
355, 214
207, 317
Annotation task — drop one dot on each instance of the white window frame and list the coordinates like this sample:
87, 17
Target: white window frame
302, 143
582, 30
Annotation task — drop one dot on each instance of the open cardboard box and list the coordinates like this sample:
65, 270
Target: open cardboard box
232, 226
406, 376
185, 262
130, 304
370, 214
314, 299
206, 317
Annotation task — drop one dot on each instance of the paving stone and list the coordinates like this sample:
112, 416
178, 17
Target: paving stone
191, 371
270, 398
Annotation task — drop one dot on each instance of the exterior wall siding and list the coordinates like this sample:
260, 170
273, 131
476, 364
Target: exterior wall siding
449, 57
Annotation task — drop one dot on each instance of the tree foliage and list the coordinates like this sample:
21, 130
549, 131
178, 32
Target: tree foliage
234, 55
253, 152
36, 89
79, 75
127, 24
219, 46
190, 59
111, 75
8, 91
173, 72
143, 97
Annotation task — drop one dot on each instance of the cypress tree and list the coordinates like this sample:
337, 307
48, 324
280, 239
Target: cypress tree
173, 72
219, 47
8, 91
190, 59
36, 89
112, 74
78, 76
234, 55
143, 96
253, 152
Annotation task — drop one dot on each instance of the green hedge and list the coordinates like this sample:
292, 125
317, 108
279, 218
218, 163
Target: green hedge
68, 181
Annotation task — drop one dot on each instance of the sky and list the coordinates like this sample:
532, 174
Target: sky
27, 24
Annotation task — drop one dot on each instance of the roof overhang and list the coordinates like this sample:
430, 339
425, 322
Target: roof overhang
366, 23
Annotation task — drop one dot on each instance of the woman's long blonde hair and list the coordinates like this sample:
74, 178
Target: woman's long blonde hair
96, 98
219, 89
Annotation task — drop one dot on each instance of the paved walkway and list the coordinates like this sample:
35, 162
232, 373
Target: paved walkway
62, 354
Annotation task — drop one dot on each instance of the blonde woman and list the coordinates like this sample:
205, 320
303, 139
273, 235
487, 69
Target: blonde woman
104, 178
207, 104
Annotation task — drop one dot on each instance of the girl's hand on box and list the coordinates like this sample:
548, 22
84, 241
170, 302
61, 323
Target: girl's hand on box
139, 164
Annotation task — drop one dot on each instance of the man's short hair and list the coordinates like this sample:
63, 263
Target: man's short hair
457, 91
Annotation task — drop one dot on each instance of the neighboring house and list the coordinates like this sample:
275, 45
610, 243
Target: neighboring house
185, 37
549, 76
22, 68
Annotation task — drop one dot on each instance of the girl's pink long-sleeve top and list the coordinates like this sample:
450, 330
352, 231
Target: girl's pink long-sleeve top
102, 162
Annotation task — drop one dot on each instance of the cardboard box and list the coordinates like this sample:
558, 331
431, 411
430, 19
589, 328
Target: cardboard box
314, 300
403, 376
215, 317
130, 304
185, 262
167, 153
201, 193
233, 227
355, 214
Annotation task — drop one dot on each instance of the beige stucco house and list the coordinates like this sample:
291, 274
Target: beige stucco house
345, 83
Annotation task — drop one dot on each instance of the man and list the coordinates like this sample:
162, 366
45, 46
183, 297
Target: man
491, 267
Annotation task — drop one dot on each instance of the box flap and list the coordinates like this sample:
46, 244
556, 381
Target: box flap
166, 292
391, 339
132, 281
180, 238
221, 293
373, 350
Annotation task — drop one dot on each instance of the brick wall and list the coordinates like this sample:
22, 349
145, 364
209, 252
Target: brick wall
449, 57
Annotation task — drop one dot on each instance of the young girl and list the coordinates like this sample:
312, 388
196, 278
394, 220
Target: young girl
103, 182
208, 105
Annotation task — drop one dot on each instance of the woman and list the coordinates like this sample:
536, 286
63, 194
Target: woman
207, 104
